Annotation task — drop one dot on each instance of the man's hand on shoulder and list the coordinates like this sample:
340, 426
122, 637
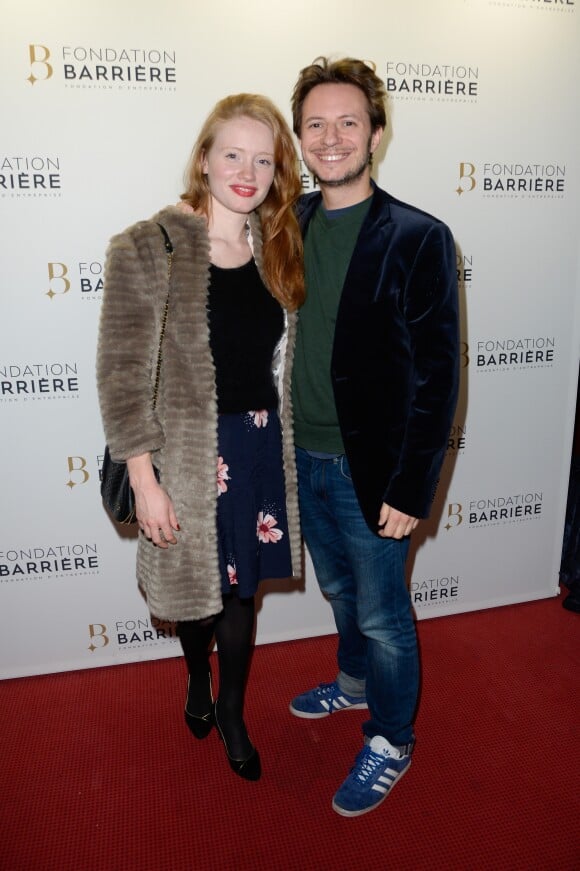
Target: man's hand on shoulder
395, 524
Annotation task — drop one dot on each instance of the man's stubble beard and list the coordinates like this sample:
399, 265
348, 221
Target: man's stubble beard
352, 176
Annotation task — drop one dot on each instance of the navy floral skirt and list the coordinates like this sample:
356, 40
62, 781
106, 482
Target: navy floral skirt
251, 506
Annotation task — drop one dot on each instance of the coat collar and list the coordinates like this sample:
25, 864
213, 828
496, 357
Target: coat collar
182, 226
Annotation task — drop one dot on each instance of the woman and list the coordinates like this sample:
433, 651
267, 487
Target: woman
225, 514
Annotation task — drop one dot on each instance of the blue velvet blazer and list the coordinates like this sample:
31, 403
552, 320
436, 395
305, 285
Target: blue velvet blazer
395, 360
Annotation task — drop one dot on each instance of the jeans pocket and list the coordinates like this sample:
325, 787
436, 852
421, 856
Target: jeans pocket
344, 468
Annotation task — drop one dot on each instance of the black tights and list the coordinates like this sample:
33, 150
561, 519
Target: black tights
233, 630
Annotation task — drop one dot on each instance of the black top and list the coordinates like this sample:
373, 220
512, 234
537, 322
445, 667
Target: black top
245, 323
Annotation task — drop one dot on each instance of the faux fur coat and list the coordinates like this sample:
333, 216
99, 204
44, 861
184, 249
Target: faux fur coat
183, 581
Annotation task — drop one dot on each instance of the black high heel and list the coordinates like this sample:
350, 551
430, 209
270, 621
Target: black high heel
200, 725
250, 768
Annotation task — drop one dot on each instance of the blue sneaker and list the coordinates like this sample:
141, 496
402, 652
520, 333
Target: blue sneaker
323, 700
377, 768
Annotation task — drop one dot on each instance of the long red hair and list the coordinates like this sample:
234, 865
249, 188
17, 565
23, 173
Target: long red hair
282, 240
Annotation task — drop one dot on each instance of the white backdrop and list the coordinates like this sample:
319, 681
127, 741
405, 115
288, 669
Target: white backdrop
101, 103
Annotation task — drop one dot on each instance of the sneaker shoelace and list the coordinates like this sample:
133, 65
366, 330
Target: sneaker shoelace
367, 763
327, 691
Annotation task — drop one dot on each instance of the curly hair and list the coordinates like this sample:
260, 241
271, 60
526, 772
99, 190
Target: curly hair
348, 71
282, 240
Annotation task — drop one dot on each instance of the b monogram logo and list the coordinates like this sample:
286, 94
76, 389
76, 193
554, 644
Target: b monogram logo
455, 517
97, 633
39, 55
58, 272
77, 466
466, 176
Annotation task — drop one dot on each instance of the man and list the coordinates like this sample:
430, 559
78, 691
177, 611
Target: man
374, 391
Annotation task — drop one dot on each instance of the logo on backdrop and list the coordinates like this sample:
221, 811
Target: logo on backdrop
515, 353
464, 269
30, 176
77, 471
131, 634
307, 180
49, 561
513, 180
435, 591
113, 69
457, 440
480, 513
84, 278
412, 80
34, 382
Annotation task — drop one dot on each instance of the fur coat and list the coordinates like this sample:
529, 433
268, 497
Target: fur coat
183, 581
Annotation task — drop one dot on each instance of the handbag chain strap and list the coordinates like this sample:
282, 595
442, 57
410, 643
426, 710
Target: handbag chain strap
169, 252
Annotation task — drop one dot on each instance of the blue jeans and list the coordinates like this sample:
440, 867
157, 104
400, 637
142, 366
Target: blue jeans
363, 578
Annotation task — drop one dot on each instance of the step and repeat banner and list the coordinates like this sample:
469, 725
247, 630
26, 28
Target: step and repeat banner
101, 103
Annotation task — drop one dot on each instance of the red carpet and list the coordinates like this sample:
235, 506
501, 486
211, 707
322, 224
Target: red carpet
99, 771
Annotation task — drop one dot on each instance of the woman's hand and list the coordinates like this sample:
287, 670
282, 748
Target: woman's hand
154, 509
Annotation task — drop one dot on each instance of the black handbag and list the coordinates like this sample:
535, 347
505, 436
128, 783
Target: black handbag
117, 495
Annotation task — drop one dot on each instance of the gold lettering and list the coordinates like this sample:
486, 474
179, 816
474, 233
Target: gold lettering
57, 272
454, 510
466, 171
39, 54
97, 631
77, 465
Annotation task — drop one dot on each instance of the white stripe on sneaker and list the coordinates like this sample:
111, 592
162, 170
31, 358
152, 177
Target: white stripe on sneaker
338, 704
388, 778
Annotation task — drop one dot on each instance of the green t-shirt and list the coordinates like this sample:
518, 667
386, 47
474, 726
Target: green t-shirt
328, 247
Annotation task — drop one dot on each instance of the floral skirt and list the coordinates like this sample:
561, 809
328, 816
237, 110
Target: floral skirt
251, 506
